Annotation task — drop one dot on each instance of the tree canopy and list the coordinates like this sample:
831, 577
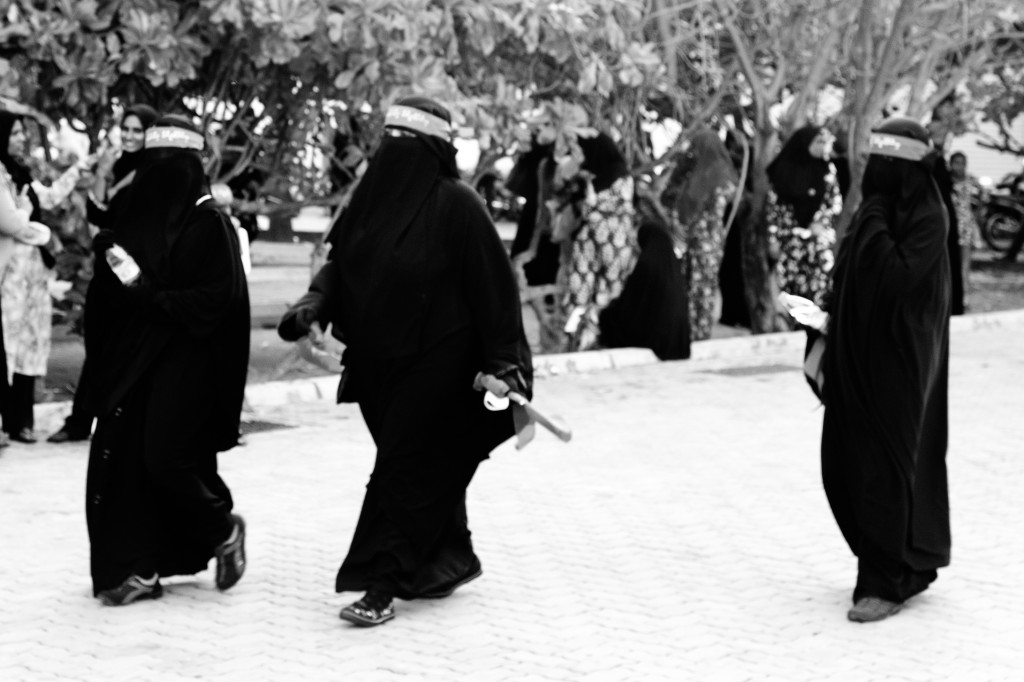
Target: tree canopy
280, 83
268, 76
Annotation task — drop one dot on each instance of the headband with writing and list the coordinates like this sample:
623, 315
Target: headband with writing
898, 146
420, 121
174, 137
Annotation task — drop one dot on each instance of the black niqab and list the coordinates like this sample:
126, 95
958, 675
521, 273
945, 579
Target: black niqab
167, 185
533, 174
601, 156
399, 180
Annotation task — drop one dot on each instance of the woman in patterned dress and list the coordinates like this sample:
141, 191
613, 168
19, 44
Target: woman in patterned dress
699, 193
967, 226
600, 253
24, 292
803, 204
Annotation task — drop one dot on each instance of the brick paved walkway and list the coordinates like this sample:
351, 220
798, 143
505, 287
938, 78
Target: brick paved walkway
682, 535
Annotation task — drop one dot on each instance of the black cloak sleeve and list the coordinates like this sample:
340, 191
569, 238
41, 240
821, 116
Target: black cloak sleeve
492, 293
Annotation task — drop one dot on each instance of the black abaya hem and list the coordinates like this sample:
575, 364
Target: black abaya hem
134, 527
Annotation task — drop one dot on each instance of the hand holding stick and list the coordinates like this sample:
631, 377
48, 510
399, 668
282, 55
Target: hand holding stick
321, 349
497, 387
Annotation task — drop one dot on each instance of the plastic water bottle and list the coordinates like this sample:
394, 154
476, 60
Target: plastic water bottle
123, 265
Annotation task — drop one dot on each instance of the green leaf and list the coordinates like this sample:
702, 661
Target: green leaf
335, 26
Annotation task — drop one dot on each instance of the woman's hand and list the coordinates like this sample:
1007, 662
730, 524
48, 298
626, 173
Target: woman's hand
103, 159
568, 167
23, 202
102, 241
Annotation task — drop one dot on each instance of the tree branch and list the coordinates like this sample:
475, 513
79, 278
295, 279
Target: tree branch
890, 53
743, 55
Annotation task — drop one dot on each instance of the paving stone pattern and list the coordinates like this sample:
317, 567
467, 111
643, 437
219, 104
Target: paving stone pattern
682, 535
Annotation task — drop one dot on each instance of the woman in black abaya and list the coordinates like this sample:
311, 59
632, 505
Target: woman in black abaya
169, 380
420, 289
886, 419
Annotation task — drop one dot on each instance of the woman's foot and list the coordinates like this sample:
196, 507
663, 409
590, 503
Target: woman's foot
231, 555
472, 573
25, 435
131, 590
66, 435
373, 609
871, 609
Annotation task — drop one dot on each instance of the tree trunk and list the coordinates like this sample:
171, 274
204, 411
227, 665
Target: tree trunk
760, 288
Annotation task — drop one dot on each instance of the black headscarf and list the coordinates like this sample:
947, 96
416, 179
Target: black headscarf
601, 156
799, 178
129, 161
167, 185
19, 172
531, 177
704, 168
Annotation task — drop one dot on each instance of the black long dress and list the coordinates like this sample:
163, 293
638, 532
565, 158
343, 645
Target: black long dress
956, 279
886, 389
524, 180
652, 311
168, 383
423, 294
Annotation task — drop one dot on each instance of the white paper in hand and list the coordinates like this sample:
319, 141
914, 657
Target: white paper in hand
804, 311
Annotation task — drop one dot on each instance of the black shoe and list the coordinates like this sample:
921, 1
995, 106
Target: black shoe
873, 609
375, 608
24, 436
131, 590
448, 590
231, 556
67, 436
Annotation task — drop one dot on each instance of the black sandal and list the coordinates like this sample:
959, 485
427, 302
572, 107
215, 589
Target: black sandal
375, 608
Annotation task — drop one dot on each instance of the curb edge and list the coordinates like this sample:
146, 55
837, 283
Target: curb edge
274, 393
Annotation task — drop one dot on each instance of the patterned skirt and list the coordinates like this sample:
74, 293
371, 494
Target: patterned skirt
603, 255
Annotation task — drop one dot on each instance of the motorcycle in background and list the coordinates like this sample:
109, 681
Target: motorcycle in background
1003, 213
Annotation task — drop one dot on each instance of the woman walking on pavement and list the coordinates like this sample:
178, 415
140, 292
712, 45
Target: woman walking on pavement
420, 289
105, 200
169, 377
883, 446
